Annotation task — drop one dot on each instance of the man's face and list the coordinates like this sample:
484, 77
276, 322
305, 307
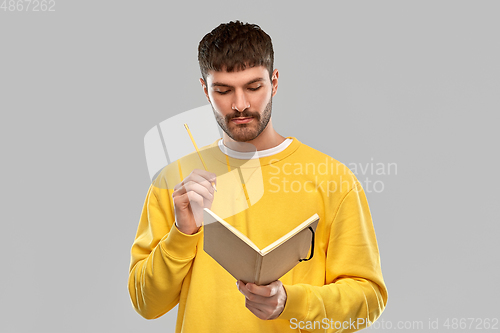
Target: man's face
241, 100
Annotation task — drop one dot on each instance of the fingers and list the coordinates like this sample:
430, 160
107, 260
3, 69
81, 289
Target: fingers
190, 196
249, 295
257, 312
266, 291
198, 181
258, 294
196, 187
266, 302
200, 176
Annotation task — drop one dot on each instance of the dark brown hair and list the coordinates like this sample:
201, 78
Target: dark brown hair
235, 46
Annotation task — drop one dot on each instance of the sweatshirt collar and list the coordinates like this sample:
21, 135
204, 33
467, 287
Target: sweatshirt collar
266, 160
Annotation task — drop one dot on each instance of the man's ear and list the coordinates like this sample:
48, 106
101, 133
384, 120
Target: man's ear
274, 81
205, 90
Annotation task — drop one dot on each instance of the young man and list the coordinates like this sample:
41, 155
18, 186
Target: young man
340, 288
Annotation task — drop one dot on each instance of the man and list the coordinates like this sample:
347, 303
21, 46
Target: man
340, 288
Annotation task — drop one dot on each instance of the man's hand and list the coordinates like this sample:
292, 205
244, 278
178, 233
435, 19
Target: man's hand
190, 196
266, 302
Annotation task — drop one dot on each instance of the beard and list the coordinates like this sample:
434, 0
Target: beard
245, 132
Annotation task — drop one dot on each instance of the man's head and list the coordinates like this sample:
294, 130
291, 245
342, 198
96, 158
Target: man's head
236, 62
235, 46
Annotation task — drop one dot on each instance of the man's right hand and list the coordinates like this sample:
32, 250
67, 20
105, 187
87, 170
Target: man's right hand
190, 196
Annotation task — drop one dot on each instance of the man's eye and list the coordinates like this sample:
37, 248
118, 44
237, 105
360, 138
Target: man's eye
222, 92
256, 88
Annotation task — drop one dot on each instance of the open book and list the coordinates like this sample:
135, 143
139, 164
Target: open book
245, 261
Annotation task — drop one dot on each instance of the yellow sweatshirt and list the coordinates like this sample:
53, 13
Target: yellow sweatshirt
340, 289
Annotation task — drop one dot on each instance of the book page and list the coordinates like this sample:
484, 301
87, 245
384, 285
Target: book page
289, 235
213, 218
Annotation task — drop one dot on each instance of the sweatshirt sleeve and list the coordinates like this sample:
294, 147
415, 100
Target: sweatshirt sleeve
161, 257
354, 293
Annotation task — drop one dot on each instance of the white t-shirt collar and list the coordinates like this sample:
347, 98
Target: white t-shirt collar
252, 155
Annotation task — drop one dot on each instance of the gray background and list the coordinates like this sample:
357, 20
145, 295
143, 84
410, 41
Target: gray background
409, 82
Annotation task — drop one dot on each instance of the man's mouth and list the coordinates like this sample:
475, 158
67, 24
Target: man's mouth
242, 120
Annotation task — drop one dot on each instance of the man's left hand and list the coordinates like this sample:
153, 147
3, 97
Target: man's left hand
266, 302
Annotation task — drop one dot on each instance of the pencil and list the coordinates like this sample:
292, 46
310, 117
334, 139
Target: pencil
196, 147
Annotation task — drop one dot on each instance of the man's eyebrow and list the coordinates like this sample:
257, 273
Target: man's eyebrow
220, 84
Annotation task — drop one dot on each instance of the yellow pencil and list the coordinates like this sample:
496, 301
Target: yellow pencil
196, 147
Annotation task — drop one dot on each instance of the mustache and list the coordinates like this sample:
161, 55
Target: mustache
244, 114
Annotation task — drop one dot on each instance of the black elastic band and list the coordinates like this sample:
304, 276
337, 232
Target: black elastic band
312, 247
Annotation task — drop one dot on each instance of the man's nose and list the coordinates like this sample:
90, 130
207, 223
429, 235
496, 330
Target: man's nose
240, 102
